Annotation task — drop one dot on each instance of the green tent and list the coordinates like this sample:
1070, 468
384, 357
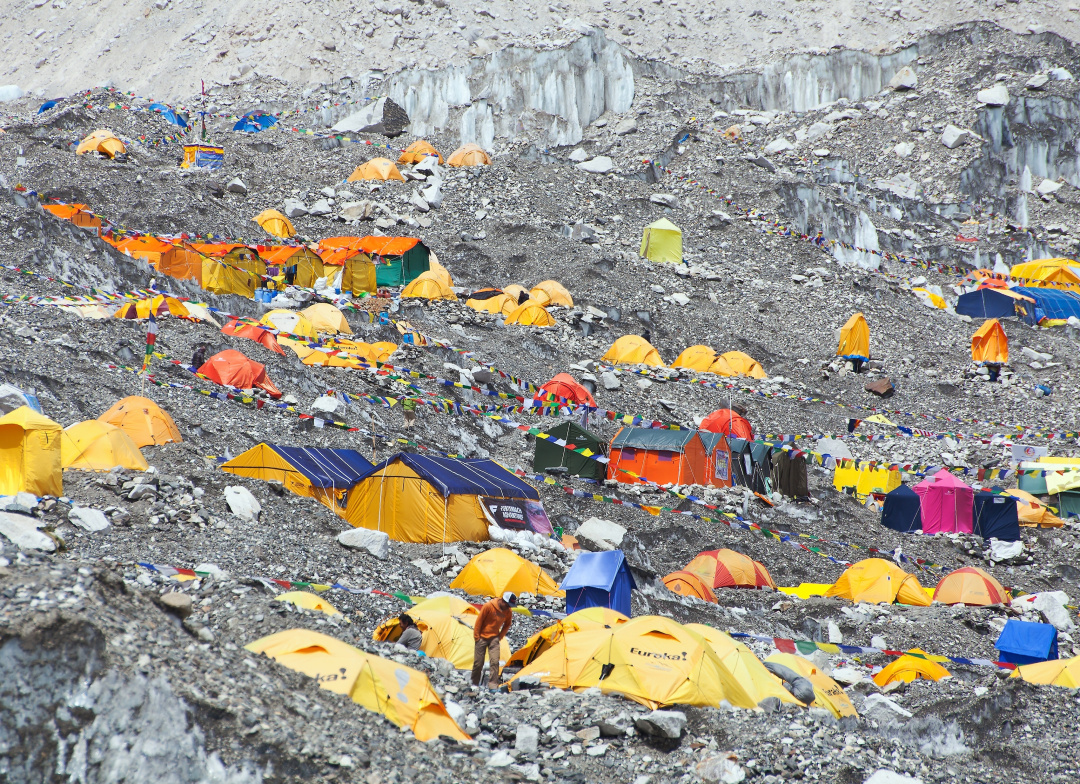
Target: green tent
549, 455
400, 261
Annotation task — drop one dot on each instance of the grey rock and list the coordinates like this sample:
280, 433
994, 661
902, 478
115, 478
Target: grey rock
598, 165
665, 200
375, 542
23, 532
998, 95
617, 725
626, 127
88, 519
325, 404
662, 723
882, 709
601, 534
242, 503
1037, 82
356, 210
952, 137
321, 207
883, 776
904, 79
236, 185
418, 201
610, 381
177, 603
1060, 75
579, 155
764, 163
527, 740
778, 145
294, 208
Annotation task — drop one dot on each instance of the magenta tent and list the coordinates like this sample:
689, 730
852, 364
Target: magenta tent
947, 504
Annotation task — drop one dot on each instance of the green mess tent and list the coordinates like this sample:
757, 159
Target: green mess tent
549, 455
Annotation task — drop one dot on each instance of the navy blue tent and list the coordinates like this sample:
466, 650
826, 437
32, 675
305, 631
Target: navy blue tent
1022, 642
48, 105
599, 580
337, 469
996, 516
902, 511
1049, 304
253, 122
170, 115
463, 477
986, 303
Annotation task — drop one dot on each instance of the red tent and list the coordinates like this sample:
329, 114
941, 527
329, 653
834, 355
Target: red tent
253, 332
233, 369
563, 385
729, 423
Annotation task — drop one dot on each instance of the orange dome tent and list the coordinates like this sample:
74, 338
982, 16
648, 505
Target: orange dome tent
908, 668
469, 155
990, 344
743, 364
729, 423
245, 329
877, 581
273, 222
687, 583
515, 290
102, 141
699, 358
972, 586
531, 313
632, 350
376, 169
233, 369
417, 151
563, 385
143, 420
551, 292
729, 569
1032, 511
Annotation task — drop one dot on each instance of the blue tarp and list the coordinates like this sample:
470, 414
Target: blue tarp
996, 516
176, 118
1022, 642
599, 580
464, 477
253, 122
1049, 304
48, 105
986, 303
339, 468
902, 511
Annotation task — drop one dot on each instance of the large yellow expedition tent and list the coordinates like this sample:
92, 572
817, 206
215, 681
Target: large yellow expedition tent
590, 618
1032, 511
863, 479
989, 344
877, 581
1048, 273
469, 155
497, 571
290, 321
492, 301
1056, 672
273, 222
143, 420
531, 313
94, 445
699, 358
743, 364
854, 339
401, 694
662, 241
376, 169
102, 141
444, 635
632, 350
311, 472
551, 292
30, 457
908, 668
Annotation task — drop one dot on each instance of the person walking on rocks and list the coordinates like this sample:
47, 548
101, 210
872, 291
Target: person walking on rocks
491, 627
198, 358
408, 410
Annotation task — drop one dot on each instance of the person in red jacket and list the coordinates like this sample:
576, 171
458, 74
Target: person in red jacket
491, 627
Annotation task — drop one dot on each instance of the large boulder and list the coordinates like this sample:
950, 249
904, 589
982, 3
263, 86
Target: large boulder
88, 519
242, 503
375, 542
381, 116
998, 95
596, 534
22, 531
662, 723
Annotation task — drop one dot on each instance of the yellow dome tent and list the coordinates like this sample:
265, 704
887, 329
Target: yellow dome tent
908, 668
632, 350
744, 665
444, 635
699, 358
327, 318
877, 581
515, 290
273, 222
439, 272
469, 155
1056, 672
721, 368
30, 456
447, 603
590, 618
854, 339
382, 169
102, 141
551, 292
662, 241
499, 570
308, 601
417, 151
827, 692
383, 349
94, 445
492, 301
990, 344
401, 694
531, 313
743, 364
290, 321
1032, 511
143, 420
1047, 273
651, 660
428, 286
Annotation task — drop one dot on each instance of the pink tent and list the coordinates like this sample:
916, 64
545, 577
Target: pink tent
947, 504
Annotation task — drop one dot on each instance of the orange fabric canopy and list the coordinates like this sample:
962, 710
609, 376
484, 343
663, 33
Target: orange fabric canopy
729, 423
253, 332
233, 369
564, 385
971, 586
687, 583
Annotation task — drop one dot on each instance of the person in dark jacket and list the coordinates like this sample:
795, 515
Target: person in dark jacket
198, 358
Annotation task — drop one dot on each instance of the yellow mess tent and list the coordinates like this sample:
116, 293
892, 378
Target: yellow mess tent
220, 278
743, 364
417, 151
990, 344
401, 694
102, 141
1056, 672
908, 668
854, 339
356, 275
827, 693
551, 292
878, 581
308, 601
864, 480
376, 169
492, 301
428, 286
632, 350
1032, 511
651, 660
327, 319
499, 570
1048, 273
744, 665
530, 313
143, 420
94, 445
30, 457
290, 321
320, 473
443, 635
662, 241
273, 222
591, 618
469, 155
699, 358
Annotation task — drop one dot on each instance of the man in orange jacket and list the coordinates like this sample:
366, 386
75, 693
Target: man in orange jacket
491, 626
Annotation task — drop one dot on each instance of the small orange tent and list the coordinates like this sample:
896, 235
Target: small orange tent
376, 169
417, 151
729, 569
687, 583
143, 420
563, 385
469, 155
246, 329
990, 344
102, 141
76, 213
729, 423
233, 369
972, 586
